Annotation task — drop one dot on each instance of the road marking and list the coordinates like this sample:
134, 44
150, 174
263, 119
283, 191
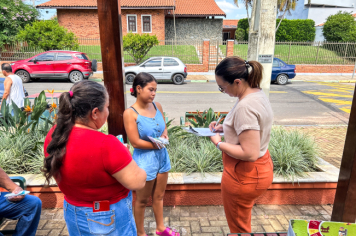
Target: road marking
339, 95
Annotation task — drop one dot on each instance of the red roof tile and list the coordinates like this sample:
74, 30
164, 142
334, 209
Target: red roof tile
321, 24
198, 7
228, 24
93, 3
183, 7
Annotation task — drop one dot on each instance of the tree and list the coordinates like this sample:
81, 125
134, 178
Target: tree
340, 27
14, 15
240, 34
247, 3
48, 35
137, 46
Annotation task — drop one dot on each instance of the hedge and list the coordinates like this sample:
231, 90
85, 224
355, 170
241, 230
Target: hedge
289, 30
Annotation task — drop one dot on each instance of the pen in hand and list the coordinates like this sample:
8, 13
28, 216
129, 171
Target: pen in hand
217, 123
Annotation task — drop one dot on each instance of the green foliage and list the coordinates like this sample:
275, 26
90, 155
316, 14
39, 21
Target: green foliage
240, 34
14, 15
340, 27
243, 24
48, 35
296, 30
137, 46
26, 121
22, 153
293, 152
204, 119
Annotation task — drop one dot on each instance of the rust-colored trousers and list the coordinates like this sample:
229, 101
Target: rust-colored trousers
241, 184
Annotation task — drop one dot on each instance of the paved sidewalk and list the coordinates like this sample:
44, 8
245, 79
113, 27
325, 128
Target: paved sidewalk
202, 220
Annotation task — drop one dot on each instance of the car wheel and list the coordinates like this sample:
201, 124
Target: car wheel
24, 75
178, 79
35, 79
94, 65
130, 78
76, 76
282, 79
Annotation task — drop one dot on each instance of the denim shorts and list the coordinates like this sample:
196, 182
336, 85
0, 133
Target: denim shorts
119, 221
152, 161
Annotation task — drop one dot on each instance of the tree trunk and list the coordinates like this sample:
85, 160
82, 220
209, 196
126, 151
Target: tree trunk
281, 20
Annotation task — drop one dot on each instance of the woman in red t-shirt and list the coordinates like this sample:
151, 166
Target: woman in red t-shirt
90, 166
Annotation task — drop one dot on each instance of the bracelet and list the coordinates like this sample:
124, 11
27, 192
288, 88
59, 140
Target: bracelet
218, 145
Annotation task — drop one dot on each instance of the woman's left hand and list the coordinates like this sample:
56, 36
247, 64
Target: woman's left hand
215, 139
165, 136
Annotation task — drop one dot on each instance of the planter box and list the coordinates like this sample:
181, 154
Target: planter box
317, 188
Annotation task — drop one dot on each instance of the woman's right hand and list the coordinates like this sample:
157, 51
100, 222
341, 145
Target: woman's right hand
218, 128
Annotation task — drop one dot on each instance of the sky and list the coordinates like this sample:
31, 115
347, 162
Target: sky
231, 10
228, 6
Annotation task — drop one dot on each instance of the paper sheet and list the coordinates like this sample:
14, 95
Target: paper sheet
204, 132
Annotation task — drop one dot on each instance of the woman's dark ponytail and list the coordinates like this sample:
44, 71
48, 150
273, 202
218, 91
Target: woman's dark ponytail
76, 104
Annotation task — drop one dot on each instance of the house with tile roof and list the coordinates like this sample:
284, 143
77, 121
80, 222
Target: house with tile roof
192, 19
229, 29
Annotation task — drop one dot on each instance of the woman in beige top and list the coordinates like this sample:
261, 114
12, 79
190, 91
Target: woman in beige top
248, 167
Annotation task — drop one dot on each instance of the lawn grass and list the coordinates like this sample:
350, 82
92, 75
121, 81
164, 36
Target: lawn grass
186, 53
299, 54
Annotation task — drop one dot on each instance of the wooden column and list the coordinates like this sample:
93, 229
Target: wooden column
110, 25
345, 199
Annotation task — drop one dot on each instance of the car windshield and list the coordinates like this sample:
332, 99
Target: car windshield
82, 56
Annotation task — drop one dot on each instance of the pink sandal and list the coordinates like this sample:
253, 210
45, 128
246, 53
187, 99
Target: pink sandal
166, 232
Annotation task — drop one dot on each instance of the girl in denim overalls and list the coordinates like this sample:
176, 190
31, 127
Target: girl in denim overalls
143, 119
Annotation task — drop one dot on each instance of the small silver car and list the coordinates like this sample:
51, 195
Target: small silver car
162, 68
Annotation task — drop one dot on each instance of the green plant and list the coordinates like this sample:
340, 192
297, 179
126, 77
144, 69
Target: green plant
340, 27
48, 35
137, 46
240, 34
204, 119
296, 30
22, 152
293, 152
27, 120
243, 24
14, 15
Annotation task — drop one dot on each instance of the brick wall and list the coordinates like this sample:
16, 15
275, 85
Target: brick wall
85, 24
324, 68
229, 48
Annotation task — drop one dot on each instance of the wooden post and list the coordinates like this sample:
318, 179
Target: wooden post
344, 209
110, 26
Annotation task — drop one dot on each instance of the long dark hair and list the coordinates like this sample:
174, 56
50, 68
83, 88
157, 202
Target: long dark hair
141, 79
232, 68
87, 95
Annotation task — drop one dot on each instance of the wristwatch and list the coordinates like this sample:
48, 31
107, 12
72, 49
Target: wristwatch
218, 145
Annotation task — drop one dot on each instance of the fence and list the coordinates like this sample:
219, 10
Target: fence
191, 51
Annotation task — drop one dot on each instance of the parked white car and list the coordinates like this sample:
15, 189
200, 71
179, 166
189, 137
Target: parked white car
162, 68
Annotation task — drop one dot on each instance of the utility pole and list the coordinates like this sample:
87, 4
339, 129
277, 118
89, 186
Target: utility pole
262, 38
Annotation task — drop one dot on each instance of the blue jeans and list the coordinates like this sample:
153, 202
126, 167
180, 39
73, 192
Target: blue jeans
27, 211
119, 221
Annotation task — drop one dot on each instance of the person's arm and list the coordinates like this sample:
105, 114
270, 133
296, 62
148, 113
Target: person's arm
131, 177
165, 132
247, 150
6, 183
7, 88
132, 132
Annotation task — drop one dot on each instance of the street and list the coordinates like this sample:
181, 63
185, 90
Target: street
297, 103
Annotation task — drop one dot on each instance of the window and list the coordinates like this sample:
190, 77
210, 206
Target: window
64, 57
170, 62
82, 56
131, 23
146, 23
153, 63
281, 64
276, 63
45, 57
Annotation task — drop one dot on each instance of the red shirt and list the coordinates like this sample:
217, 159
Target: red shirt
90, 160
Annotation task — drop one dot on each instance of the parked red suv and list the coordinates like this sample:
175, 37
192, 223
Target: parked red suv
71, 65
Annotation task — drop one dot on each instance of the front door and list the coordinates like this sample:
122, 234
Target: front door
42, 66
153, 67
276, 69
